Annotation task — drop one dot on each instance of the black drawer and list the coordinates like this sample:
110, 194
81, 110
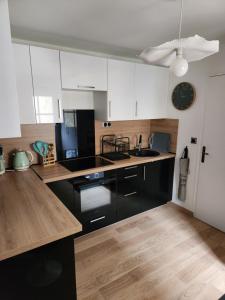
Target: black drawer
98, 220
128, 185
128, 171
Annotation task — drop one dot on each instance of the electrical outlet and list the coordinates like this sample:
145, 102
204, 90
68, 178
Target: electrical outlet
106, 124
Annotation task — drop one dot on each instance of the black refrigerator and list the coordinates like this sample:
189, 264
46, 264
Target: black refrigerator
75, 137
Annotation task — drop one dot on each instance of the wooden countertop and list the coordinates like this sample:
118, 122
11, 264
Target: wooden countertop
30, 214
58, 172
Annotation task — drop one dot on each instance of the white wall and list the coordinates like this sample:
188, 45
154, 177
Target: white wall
191, 120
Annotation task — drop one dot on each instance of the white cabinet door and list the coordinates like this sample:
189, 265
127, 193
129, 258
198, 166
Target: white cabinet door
83, 72
151, 86
24, 84
47, 84
121, 93
9, 111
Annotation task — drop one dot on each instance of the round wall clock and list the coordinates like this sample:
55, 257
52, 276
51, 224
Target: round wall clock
183, 95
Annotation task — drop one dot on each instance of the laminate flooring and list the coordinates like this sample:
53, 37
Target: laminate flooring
164, 253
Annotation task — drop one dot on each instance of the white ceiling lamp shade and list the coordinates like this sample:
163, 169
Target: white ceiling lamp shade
178, 53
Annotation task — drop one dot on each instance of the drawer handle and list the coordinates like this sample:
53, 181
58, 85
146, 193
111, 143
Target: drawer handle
86, 86
144, 173
129, 168
59, 109
130, 194
98, 219
130, 176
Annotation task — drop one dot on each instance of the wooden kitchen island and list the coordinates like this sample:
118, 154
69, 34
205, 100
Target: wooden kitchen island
36, 241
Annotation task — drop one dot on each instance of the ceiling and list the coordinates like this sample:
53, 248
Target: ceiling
119, 27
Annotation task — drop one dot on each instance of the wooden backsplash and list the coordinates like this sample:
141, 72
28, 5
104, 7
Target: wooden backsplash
30, 134
129, 129
132, 129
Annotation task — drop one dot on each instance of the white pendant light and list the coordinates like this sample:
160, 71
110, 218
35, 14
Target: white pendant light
178, 53
180, 65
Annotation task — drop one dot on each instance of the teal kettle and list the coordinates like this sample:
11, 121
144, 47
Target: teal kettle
22, 160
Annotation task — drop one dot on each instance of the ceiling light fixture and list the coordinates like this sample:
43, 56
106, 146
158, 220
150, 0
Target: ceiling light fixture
180, 65
177, 53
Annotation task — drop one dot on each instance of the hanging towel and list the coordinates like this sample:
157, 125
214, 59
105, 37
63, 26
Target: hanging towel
184, 169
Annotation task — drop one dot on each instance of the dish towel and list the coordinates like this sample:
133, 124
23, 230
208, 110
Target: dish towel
184, 170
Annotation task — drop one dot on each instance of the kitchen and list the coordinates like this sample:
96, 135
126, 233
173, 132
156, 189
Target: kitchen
92, 144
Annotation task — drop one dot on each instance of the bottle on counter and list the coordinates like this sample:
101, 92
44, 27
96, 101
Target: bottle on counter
2, 162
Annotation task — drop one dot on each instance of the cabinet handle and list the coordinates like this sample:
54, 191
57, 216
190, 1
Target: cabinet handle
98, 219
59, 110
136, 109
109, 109
130, 194
130, 176
86, 86
144, 175
129, 168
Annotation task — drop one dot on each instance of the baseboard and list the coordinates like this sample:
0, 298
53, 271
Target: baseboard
180, 208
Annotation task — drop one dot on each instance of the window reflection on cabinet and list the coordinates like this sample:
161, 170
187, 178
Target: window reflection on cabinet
47, 85
48, 109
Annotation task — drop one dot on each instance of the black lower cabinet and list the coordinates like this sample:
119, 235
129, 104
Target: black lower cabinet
129, 200
157, 185
115, 195
144, 187
45, 273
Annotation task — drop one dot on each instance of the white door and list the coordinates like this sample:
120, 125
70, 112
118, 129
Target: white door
121, 93
9, 108
24, 84
83, 72
210, 206
47, 84
151, 86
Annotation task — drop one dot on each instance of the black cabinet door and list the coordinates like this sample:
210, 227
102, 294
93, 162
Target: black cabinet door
129, 200
45, 273
158, 181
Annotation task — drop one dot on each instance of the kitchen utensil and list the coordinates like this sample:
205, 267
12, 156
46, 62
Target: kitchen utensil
22, 160
160, 142
41, 148
184, 169
2, 162
113, 148
49, 158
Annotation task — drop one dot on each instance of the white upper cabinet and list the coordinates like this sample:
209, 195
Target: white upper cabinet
151, 86
24, 84
47, 84
9, 111
121, 92
83, 72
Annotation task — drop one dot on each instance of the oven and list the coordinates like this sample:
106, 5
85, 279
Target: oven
94, 197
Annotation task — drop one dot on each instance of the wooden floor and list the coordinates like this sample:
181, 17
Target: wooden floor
161, 254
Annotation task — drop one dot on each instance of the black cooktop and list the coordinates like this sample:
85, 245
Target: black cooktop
84, 163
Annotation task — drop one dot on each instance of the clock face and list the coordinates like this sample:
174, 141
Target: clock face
183, 95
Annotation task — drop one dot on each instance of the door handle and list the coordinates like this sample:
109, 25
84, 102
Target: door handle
130, 194
130, 176
85, 86
129, 168
109, 109
136, 109
204, 153
98, 219
59, 109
